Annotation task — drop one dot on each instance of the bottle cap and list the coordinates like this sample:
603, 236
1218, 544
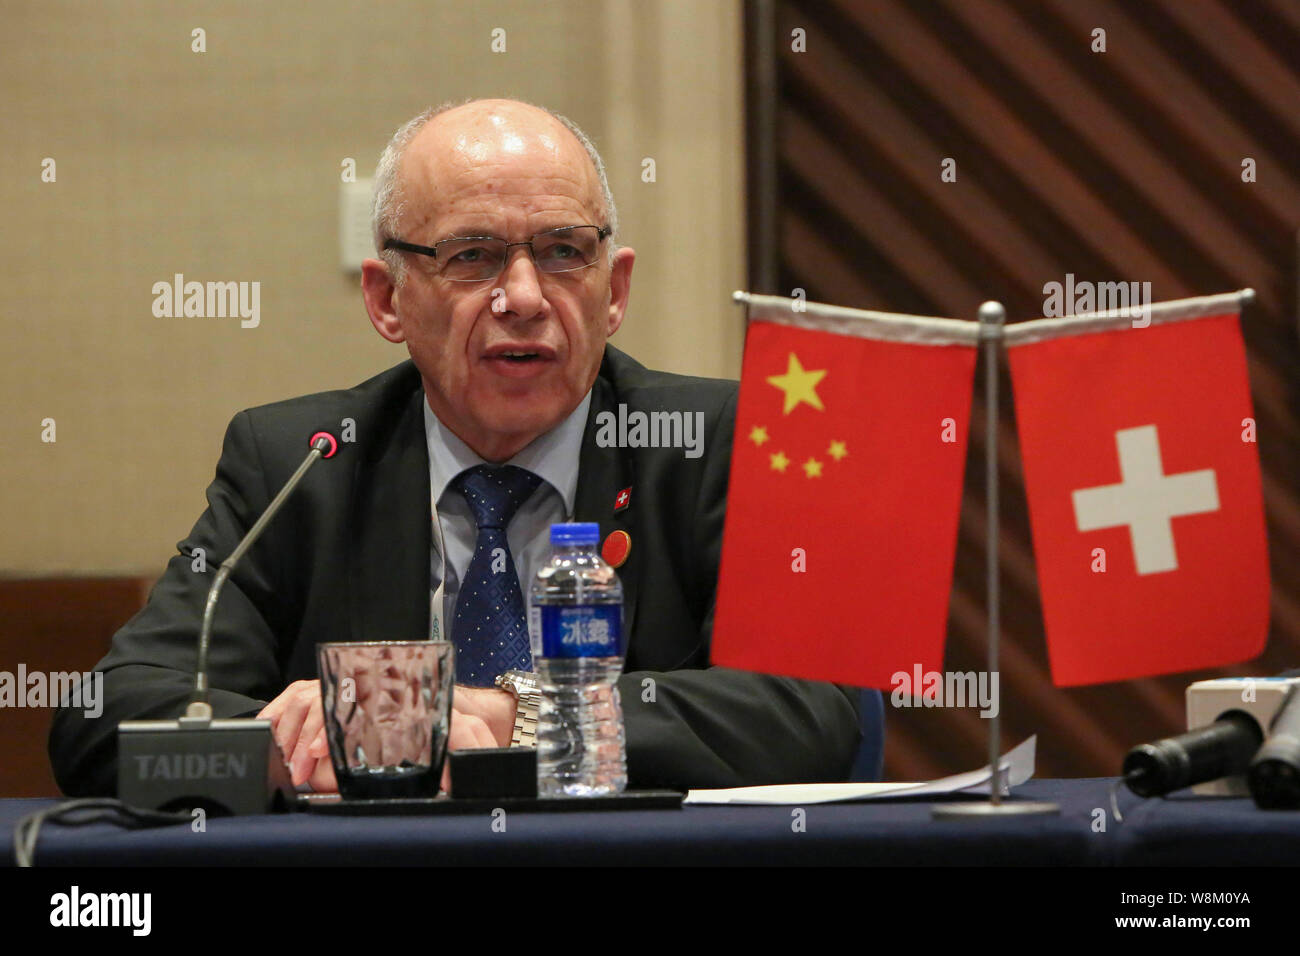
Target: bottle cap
586, 532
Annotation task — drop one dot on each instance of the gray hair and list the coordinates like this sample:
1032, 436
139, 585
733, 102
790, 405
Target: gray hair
388, 203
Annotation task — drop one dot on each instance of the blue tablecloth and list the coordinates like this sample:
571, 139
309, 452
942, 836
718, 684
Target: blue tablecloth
1182, 830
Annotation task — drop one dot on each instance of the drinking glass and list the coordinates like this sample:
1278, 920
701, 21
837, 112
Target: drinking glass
387, 714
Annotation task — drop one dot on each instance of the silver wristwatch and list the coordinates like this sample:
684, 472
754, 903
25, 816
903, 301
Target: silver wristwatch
528, 696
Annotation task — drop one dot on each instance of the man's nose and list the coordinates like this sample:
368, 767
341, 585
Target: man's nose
520, 285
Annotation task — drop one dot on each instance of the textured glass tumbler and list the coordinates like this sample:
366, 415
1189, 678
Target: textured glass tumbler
387, 714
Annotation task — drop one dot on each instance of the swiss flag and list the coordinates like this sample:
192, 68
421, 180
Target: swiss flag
846, 481
1144, 497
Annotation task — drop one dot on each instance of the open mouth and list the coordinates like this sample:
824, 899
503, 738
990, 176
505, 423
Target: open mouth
520, 360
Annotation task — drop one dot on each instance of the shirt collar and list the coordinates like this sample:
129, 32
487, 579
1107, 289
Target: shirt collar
553, 456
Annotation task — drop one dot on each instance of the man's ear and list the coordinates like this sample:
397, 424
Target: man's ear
378, 290
620, 287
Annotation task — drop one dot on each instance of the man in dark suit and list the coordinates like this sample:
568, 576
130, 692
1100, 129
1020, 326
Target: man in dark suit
509, 367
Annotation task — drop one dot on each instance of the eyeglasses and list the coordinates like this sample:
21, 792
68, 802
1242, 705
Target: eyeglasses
481, 258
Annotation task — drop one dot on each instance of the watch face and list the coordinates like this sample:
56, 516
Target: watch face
527, 683
519, 683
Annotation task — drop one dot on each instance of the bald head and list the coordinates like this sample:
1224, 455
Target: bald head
439, 151
487, 131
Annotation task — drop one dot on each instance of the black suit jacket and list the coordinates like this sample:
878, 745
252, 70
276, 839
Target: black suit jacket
347, 559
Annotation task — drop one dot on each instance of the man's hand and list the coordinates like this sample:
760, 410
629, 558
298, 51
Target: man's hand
493, 706
298, 725
481, 717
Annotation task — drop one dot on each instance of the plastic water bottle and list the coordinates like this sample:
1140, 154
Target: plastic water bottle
575, 625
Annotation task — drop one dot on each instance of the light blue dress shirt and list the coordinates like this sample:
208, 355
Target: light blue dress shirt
552, 456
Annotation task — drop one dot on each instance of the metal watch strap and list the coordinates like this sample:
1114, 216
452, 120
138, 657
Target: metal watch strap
527, 701
525, 732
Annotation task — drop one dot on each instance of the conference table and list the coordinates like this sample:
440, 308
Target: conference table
1181, 830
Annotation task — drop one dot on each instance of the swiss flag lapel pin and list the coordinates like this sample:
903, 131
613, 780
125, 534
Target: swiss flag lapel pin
623, 499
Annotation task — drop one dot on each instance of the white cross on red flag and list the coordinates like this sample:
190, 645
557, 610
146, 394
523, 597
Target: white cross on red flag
1143, 481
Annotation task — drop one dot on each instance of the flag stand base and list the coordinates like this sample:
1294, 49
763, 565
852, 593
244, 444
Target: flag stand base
976, 811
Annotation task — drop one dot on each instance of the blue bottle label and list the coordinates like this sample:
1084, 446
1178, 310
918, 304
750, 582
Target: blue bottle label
594, 630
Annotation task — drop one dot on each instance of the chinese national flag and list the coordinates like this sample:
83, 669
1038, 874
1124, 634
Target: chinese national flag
846, 482
1143, 482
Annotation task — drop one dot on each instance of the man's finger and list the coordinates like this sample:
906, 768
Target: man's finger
322, 777
286, 731
303, 762
273, 710
301, 696
320, 747
277, 707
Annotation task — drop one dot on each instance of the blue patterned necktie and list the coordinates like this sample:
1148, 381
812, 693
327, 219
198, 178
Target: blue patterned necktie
489, 629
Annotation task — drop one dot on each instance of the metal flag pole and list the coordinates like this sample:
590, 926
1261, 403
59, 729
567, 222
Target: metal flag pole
992, 316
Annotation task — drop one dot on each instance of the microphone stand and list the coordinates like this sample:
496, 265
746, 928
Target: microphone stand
223, 765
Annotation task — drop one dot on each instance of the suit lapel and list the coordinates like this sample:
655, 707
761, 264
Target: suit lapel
391, 533
602, 474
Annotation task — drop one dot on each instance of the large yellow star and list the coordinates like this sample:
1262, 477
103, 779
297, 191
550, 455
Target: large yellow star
812, 468
779, 461
799, 385
758, 434
837, 450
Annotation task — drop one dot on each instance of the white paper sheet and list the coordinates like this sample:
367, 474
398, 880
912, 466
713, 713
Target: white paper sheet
1017, 766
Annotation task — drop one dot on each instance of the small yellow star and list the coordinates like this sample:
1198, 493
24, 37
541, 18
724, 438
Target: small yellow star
779, 461
799, 385
837, 450
812, 468
758, 434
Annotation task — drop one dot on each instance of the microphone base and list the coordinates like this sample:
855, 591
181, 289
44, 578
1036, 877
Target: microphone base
226, 767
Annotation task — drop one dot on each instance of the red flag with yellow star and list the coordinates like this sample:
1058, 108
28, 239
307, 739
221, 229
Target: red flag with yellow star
846, 482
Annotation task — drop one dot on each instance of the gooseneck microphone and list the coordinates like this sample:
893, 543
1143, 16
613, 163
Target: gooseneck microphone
226, 766
323, 445
1274, 774
1221, 749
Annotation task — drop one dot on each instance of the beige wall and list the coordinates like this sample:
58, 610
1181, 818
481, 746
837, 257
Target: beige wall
225, 165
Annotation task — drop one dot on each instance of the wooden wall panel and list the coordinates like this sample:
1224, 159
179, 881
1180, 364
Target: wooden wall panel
53, 624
